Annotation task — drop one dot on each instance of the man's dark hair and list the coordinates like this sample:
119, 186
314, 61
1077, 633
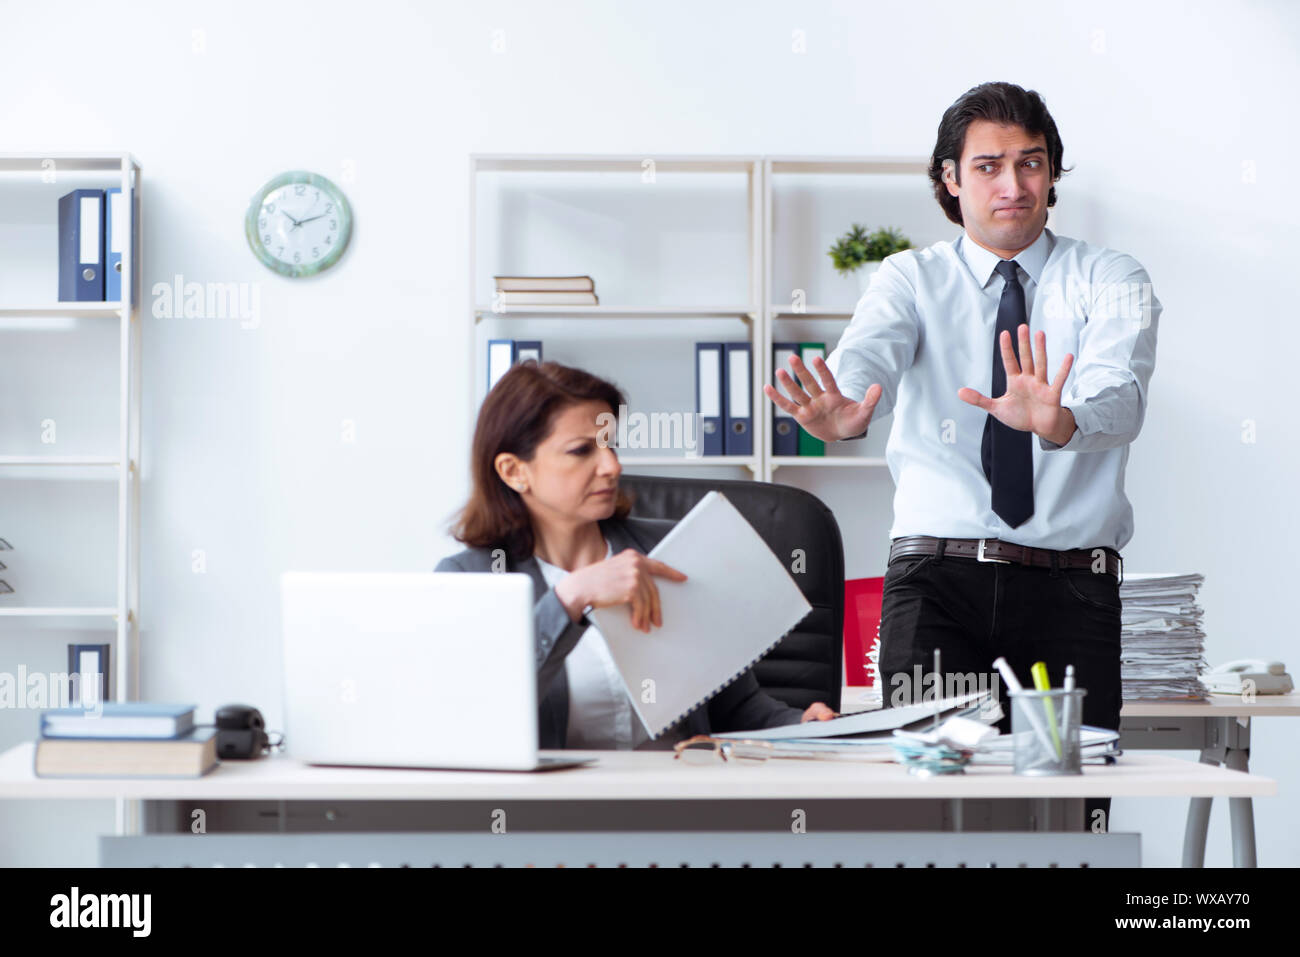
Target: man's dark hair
1002, 103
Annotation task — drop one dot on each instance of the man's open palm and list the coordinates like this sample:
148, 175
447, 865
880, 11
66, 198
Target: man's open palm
820, 407
1031, 403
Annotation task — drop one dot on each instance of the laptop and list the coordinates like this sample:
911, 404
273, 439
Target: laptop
411, 670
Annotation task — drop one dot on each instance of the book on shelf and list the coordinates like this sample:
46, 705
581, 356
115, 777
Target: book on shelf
544, 283
119, 719
191, 755
535, 297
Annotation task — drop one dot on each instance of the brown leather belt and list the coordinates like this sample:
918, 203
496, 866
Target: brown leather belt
1007, 553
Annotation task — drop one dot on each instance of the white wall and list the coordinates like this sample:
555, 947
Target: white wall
1159, 107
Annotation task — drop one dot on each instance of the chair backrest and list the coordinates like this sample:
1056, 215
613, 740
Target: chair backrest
808, 664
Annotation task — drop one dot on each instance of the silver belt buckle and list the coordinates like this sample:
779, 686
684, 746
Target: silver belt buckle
980, 556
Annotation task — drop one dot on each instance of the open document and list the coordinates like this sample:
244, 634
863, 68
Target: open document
737, 603
879, 723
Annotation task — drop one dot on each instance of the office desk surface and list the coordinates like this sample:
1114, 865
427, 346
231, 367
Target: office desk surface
640, 775
856, 698
1225, 706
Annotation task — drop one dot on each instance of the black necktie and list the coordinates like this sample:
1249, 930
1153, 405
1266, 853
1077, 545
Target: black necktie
1005, 452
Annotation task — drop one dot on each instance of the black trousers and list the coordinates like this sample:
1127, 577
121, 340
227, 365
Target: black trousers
974, 612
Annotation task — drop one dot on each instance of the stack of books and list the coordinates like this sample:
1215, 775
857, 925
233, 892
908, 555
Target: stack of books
1162, 650
126, 739
546, 291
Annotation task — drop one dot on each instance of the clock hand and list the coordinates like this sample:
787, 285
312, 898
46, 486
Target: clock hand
295, 222
321, 216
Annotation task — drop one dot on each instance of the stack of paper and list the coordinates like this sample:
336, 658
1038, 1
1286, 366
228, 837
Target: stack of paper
1162, 652
1095, 745
880, 722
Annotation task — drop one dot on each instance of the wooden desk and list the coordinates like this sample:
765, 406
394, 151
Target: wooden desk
1219, 729
1053, 808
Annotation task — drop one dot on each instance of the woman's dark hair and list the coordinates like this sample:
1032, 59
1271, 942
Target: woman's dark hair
1003, 103
517, 415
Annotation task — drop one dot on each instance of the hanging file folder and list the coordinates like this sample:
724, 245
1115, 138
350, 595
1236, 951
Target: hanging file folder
81, 246
89, 663
810, 444
785, 430
500, 357
739, 438
117, 222
710, 380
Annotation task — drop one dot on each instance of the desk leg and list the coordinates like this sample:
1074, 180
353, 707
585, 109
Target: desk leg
1198, 826
1242, 813
1056, 814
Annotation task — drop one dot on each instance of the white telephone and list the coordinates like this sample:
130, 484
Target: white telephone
1267, 677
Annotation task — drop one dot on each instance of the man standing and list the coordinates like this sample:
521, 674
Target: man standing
1009, 508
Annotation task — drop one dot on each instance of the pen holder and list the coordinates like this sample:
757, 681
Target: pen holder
1045, 728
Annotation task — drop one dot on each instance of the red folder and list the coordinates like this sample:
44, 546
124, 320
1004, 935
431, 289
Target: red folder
862, 597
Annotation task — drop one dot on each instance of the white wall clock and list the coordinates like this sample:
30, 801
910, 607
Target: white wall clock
298, 224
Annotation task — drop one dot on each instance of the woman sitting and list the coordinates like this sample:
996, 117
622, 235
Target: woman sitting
545, 501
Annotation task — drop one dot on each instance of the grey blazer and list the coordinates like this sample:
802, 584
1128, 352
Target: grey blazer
739, 706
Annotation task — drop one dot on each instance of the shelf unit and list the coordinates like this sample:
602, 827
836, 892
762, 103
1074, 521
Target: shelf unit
773, 167
748, 314
744, 313
759, 320
124, 615
64, 310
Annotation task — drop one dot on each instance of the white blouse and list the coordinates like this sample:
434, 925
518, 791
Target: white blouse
600, 715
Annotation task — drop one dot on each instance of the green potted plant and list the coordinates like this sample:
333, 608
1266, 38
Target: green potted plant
861, 253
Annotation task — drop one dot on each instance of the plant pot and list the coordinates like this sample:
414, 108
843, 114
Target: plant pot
864, 274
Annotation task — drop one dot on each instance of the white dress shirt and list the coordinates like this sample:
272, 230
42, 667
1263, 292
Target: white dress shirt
925, 328
600, 714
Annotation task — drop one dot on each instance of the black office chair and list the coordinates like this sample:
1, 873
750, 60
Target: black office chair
808, 664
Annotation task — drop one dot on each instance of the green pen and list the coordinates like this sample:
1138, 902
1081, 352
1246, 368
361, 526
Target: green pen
1039, 672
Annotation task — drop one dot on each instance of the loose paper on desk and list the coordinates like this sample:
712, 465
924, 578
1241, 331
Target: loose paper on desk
738, 601
882, 721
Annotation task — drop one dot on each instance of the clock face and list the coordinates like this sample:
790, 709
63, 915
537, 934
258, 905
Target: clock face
298, 224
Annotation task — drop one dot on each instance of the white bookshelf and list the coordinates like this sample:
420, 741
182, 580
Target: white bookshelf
63, 310
740, 175
829, 318
750, 462
759, 323
37, 611
56, 173
45, 176
744, 313
39, 460
775, 462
